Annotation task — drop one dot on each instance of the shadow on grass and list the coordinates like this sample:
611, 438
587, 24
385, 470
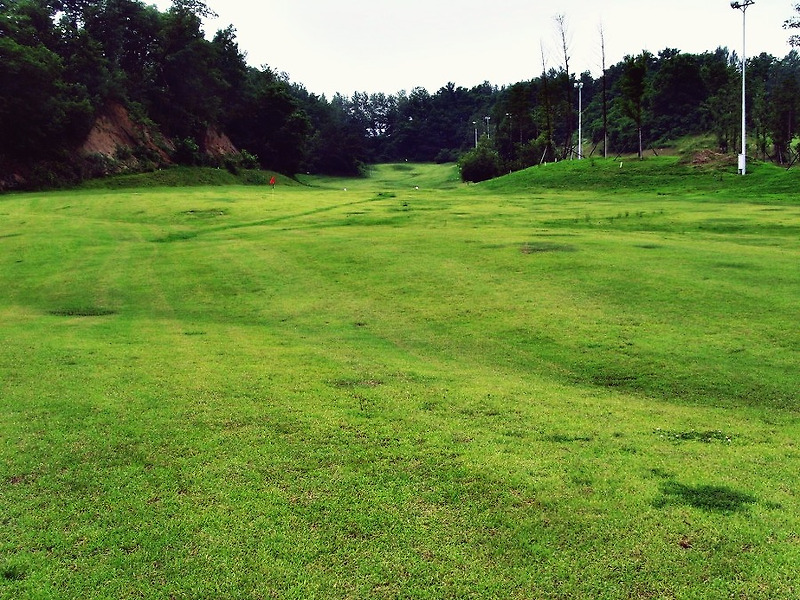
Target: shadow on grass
713, 498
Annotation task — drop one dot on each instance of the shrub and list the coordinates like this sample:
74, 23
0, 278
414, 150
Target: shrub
480, 164
187, 152
249, 161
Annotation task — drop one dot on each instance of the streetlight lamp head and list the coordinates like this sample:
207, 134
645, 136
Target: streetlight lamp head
735, 4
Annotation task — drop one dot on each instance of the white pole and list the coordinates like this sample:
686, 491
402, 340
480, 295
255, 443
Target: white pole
743, 156
579, 86
580, 121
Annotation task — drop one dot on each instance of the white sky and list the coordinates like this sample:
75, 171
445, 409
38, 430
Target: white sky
391, 45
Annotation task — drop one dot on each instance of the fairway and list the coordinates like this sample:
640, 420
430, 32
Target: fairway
577, 381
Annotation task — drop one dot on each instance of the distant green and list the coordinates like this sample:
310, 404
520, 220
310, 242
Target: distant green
577, 381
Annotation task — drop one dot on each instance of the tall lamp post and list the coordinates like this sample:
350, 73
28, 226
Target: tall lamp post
475, 123
487, 127
743, 7
579, 85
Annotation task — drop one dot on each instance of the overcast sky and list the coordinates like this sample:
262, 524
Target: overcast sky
391, 45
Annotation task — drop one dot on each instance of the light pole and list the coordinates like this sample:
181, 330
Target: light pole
475, 123
488, 137
743, 7
579, 85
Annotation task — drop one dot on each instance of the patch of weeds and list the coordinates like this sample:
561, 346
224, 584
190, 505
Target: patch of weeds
661, 473
354, 383
694, 436
429, 405
209, 213
365, 405
732, 265
387, 195
514, 433
712, 498
177, 237
20, 479
560, 438
482, 409
14, 573
538, 247
612, 379
86, 311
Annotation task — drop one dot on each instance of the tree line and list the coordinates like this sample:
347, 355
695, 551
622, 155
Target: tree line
63, 61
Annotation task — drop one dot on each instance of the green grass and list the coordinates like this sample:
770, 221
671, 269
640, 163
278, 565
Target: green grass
177, 176
559, 384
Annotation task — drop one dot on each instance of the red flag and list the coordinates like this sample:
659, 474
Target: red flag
272, 181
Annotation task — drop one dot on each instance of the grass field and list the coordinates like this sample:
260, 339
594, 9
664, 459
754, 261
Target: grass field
579, 381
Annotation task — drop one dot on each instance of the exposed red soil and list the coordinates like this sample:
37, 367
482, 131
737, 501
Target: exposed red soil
114, 129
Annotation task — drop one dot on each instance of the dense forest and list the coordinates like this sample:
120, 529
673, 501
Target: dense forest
64, 62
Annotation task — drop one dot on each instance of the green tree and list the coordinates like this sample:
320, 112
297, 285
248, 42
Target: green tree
775, 92
633, 86
40, 112
720, 110
129, 35
679, 91
270, 122
190, 82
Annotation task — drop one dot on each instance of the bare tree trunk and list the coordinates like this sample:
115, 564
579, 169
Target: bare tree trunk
548, 107
563, 34
605, 91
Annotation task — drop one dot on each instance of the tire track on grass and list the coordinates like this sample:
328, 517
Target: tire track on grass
189, 235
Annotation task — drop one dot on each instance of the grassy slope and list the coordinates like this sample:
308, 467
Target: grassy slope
557, 384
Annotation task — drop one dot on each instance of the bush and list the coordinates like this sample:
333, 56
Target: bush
249, 161
480, 164
187, 152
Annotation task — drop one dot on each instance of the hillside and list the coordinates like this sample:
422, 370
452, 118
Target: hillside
693, 172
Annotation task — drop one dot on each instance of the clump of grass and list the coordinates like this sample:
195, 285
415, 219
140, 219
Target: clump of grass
539, 247
207, 213
13, 572
692, 435
83, 311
